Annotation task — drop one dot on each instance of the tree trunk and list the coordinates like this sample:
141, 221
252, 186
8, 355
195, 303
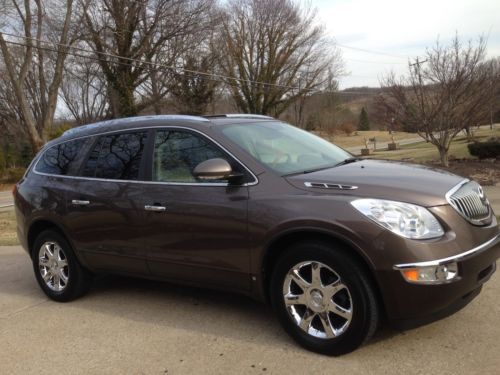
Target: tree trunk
122, 101
443, 154
155, 93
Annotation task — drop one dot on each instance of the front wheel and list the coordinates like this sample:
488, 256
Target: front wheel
323, 298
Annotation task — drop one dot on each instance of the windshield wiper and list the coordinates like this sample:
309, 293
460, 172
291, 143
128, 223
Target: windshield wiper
345, 161
348, 161
310, 170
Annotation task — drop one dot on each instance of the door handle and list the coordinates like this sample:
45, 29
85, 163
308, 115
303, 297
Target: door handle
78, 202
155, 208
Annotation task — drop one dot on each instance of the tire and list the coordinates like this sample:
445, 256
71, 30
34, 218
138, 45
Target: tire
54, 259
338, 310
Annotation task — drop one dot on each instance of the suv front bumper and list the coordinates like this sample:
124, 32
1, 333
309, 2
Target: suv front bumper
413, 304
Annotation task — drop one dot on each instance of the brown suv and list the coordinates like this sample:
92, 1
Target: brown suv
250, 204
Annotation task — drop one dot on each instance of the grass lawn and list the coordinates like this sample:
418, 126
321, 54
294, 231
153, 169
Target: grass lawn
423, 151
358, 138
8, 235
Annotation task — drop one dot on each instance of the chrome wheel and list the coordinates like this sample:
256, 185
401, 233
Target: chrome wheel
317, 300
53, 266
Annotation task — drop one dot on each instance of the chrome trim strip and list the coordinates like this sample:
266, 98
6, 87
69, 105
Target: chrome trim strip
329, 185
240, 115
455, 258
78, 202
35, 161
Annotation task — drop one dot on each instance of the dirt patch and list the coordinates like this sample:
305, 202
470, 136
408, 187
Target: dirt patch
486, 172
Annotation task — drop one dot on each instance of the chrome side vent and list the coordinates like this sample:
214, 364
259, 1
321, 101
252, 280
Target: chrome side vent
469, 200
327, 185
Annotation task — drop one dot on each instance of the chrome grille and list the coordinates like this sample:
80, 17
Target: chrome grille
469, 200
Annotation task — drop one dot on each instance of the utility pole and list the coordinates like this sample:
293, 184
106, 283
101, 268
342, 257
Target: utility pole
418, 62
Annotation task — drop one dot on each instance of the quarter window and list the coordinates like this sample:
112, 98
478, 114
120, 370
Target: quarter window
61, 159
177, 153
116, 157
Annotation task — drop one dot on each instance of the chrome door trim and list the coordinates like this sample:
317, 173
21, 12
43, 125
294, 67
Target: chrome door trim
78, 202
35, 162
155, 208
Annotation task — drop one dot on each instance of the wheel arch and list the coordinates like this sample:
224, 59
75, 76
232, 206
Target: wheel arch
279, 244
38, 227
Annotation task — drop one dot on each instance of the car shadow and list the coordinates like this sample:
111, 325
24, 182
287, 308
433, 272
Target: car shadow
197, 309
189, 308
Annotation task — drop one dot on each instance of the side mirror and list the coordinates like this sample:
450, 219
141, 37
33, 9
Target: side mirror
213, 169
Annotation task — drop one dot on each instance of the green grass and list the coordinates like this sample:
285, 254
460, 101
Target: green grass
358, 137
8, 234
424, 151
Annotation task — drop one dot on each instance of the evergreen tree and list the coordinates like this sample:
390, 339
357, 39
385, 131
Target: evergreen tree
364, 122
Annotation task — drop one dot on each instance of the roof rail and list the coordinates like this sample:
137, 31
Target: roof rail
240, 115
128, 120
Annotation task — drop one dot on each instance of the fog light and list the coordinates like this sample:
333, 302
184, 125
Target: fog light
431, 275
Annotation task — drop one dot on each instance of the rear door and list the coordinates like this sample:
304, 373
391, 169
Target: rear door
105, 215
198, 231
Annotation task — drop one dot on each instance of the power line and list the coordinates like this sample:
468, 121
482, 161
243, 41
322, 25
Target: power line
375, 62
150, 64
372, 51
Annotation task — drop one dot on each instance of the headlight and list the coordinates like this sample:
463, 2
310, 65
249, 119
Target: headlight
405, 219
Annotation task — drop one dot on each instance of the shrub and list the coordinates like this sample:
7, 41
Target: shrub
347, 128
485, 150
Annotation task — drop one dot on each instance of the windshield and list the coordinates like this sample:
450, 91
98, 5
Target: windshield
285, 148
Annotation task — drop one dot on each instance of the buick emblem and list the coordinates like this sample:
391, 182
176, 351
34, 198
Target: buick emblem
481, 195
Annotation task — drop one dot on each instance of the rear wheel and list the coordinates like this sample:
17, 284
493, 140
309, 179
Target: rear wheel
56, 268
323, 298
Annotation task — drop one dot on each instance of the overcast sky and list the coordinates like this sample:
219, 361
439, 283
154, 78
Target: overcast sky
402, 29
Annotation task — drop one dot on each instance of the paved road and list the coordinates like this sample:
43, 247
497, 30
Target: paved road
143, 327
383, 145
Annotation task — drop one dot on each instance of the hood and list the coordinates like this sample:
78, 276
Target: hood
382, 179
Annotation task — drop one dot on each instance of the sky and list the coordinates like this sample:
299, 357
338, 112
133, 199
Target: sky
399, 30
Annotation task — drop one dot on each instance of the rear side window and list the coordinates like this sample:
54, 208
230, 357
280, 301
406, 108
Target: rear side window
61, 159
116, 157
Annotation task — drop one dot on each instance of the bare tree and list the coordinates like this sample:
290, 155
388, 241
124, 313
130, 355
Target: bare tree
269, 44
33, 73
442, 96
128, 35
83, 91
494, 115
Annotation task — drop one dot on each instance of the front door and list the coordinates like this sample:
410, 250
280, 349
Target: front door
196, 231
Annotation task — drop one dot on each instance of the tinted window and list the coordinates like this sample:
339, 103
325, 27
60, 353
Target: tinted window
61, 159
116, 157
177, 153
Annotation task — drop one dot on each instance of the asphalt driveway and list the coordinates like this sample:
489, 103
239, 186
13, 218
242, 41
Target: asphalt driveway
143, 327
